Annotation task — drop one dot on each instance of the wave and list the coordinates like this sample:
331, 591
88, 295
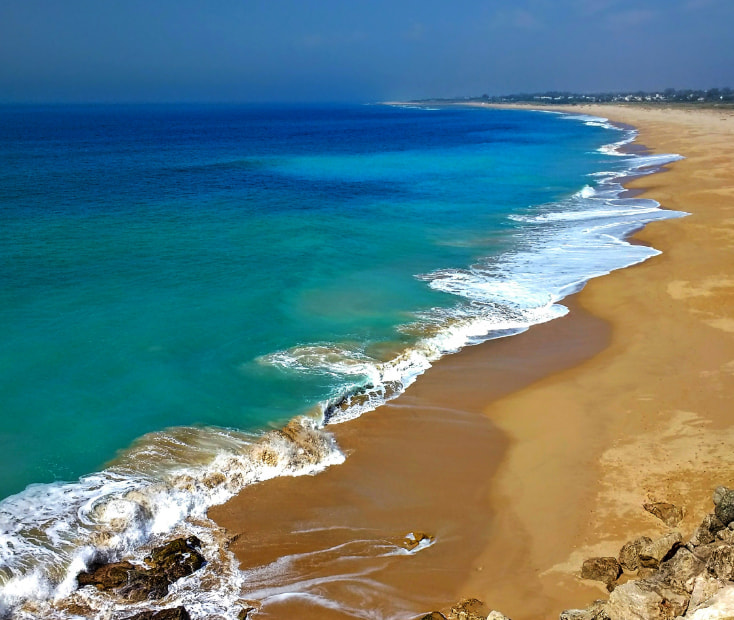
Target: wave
161, 487
164, 484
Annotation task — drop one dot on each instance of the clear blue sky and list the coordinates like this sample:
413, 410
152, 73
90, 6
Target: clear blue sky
356, 50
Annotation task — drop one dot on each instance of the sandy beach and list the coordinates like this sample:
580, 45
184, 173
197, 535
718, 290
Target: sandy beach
524, 456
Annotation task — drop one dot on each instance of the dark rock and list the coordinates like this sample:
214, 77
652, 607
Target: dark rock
106, 576
177, 558
629, 554
434, 615
669, 514
720, 563
172, 613
167, 564
144, 585
724, 502
653, 553
606, 570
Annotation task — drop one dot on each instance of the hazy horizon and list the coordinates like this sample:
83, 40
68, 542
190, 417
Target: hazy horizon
285, 51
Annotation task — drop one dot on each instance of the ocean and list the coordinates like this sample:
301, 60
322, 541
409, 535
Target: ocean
179, 282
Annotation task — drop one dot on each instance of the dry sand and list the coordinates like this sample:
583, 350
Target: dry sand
525, 456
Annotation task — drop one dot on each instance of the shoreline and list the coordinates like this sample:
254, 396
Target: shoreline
557, 484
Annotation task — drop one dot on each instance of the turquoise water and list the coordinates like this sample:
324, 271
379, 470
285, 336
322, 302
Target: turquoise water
177, 280
151, 255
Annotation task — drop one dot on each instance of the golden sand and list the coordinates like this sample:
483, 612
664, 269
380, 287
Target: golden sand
524, 456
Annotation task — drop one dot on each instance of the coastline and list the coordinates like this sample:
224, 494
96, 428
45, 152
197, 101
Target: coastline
627, 395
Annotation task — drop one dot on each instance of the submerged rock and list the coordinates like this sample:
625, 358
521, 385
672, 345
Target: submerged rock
173, 613
166, 564
434, 615
669, 514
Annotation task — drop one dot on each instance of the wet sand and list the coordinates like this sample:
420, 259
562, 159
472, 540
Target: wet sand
524, 456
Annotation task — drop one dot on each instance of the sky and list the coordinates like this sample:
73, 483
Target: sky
356, 50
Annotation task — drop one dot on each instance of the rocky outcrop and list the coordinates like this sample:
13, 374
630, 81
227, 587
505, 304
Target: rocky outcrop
165, 565
674, 581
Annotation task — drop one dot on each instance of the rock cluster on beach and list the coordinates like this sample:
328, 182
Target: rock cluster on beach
468, 609
665, 578
655, 579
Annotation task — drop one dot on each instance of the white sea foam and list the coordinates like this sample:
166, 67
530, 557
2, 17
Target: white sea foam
164, 484
50, 533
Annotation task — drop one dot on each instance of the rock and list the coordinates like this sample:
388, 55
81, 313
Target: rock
172, 613
705, 532
660, 549
167, 564
726, 535
720, 563
246, 611
629, 554
719, 492
496, 615
434, 615
681, 570
669, 514
601, 569
469, 609
704, 587
719, 607
413, 539
177, 558
106, 576
595, 611
644, 573
646, 599
724, 502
